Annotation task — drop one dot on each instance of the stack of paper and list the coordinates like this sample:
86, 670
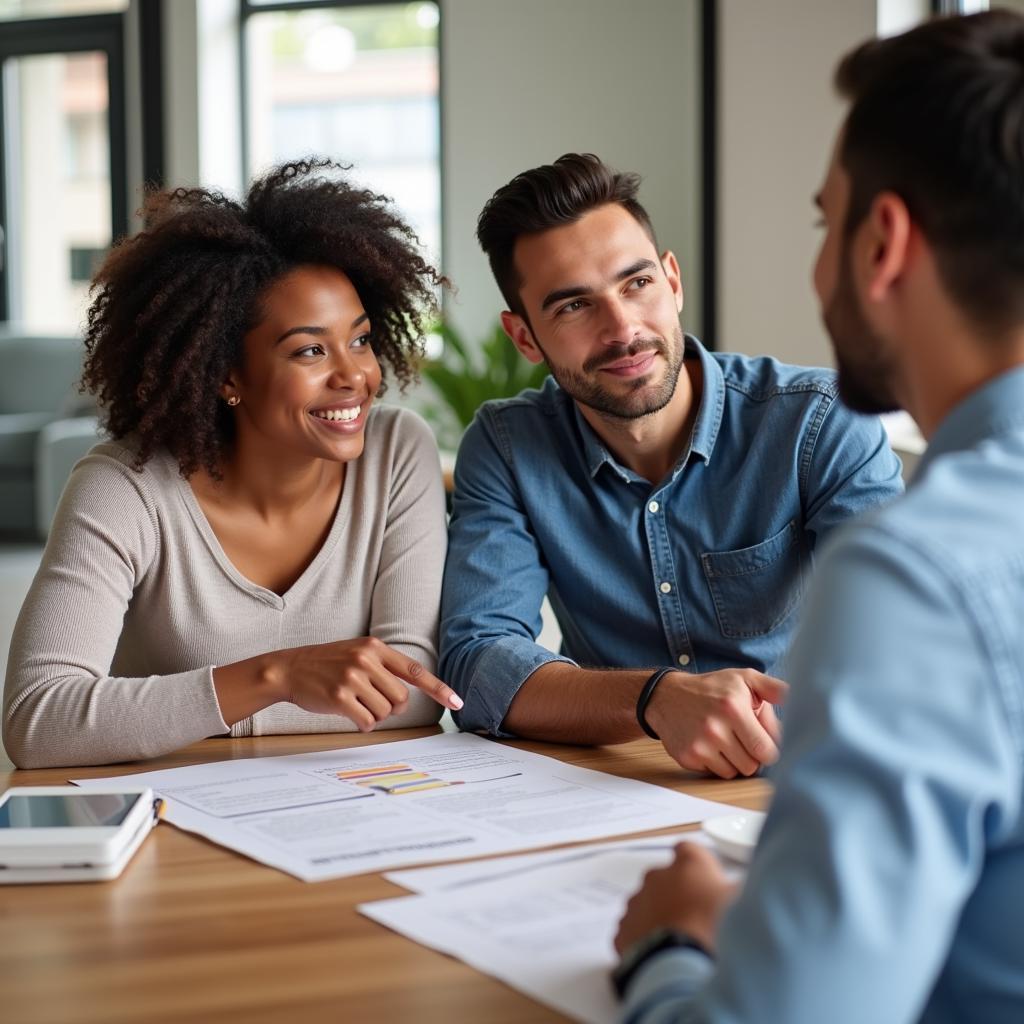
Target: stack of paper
542, 923
370, 808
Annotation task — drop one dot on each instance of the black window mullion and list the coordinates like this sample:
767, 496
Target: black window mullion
151, 60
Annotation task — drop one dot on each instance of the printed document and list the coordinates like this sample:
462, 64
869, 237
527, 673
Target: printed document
370, 808
542, 923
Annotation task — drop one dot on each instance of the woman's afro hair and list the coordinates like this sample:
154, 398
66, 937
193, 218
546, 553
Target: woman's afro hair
171, 305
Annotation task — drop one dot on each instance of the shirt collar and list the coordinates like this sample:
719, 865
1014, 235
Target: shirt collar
705, 427
593, 448
712, 401
991, 409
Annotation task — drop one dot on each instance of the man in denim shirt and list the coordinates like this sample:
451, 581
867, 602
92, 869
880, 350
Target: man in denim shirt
667, 500
888, 883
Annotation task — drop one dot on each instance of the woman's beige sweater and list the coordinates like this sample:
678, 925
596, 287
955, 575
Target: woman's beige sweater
135, 603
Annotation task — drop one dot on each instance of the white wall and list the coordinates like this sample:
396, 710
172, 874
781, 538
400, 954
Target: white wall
778, 115
526, 81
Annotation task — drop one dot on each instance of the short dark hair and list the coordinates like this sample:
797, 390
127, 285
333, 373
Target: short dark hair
172, 304
937, 116
548, 197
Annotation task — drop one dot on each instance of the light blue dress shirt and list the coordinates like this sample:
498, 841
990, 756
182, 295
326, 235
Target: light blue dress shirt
888, 885
701, 571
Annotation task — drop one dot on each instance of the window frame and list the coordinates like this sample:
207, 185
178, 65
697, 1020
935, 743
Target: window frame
66, 35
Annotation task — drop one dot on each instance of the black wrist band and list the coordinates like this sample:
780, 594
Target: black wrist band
645, 698
648, 947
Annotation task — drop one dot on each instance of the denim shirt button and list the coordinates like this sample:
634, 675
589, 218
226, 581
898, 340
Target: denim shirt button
683, 659
666, 588
653, 507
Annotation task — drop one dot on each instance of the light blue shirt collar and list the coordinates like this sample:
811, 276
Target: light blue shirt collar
991, 409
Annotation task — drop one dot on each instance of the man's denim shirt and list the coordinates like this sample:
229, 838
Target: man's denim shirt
702, 571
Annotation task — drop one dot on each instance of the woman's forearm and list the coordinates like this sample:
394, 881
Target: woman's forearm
245, 687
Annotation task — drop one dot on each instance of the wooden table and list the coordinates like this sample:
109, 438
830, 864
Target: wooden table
194, 932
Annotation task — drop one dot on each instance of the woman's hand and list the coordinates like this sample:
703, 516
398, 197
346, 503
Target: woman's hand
362, 679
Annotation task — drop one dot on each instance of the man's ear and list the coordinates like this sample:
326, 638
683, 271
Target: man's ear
674, 277
519, 333
886, 248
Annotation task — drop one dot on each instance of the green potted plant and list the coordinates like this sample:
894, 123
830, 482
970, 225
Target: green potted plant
464, 377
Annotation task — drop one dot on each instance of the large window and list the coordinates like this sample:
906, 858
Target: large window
358, 84
62, 160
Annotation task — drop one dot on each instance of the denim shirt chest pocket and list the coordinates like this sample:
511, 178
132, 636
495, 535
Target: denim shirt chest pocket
755, 589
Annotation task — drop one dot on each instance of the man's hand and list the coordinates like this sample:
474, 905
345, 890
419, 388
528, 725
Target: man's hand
721, 722
690, 894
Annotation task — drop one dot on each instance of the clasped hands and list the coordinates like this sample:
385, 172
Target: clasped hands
721, 722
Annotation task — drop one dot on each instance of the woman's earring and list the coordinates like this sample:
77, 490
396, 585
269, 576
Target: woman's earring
233, 400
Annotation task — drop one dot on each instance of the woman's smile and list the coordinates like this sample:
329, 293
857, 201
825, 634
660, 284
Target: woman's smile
309, 374
346, 419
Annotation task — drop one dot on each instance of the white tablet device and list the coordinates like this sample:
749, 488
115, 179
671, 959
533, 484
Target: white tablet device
66, 834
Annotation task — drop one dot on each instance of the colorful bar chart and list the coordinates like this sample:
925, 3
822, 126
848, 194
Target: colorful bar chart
394, 779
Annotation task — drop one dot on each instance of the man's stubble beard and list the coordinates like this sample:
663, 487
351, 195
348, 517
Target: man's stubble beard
866, 372
634, 404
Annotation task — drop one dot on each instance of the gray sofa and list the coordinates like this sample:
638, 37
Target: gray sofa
46, 425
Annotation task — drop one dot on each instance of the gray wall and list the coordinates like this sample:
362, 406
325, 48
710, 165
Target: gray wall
181, 94
527, 81
777, 118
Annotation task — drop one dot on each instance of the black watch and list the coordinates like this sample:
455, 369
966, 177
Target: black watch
643, 949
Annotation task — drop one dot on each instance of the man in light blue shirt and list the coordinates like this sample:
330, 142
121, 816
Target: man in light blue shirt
888, 884
668, 500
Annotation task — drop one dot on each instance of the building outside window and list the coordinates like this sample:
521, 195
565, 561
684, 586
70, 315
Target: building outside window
358, 84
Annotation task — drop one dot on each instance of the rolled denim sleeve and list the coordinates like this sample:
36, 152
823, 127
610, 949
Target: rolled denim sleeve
494, 583
846, 467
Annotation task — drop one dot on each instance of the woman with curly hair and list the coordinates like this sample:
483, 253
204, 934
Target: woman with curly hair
258, 548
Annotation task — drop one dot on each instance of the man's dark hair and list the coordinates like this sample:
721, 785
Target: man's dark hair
172, 304
937, 116
549, 197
